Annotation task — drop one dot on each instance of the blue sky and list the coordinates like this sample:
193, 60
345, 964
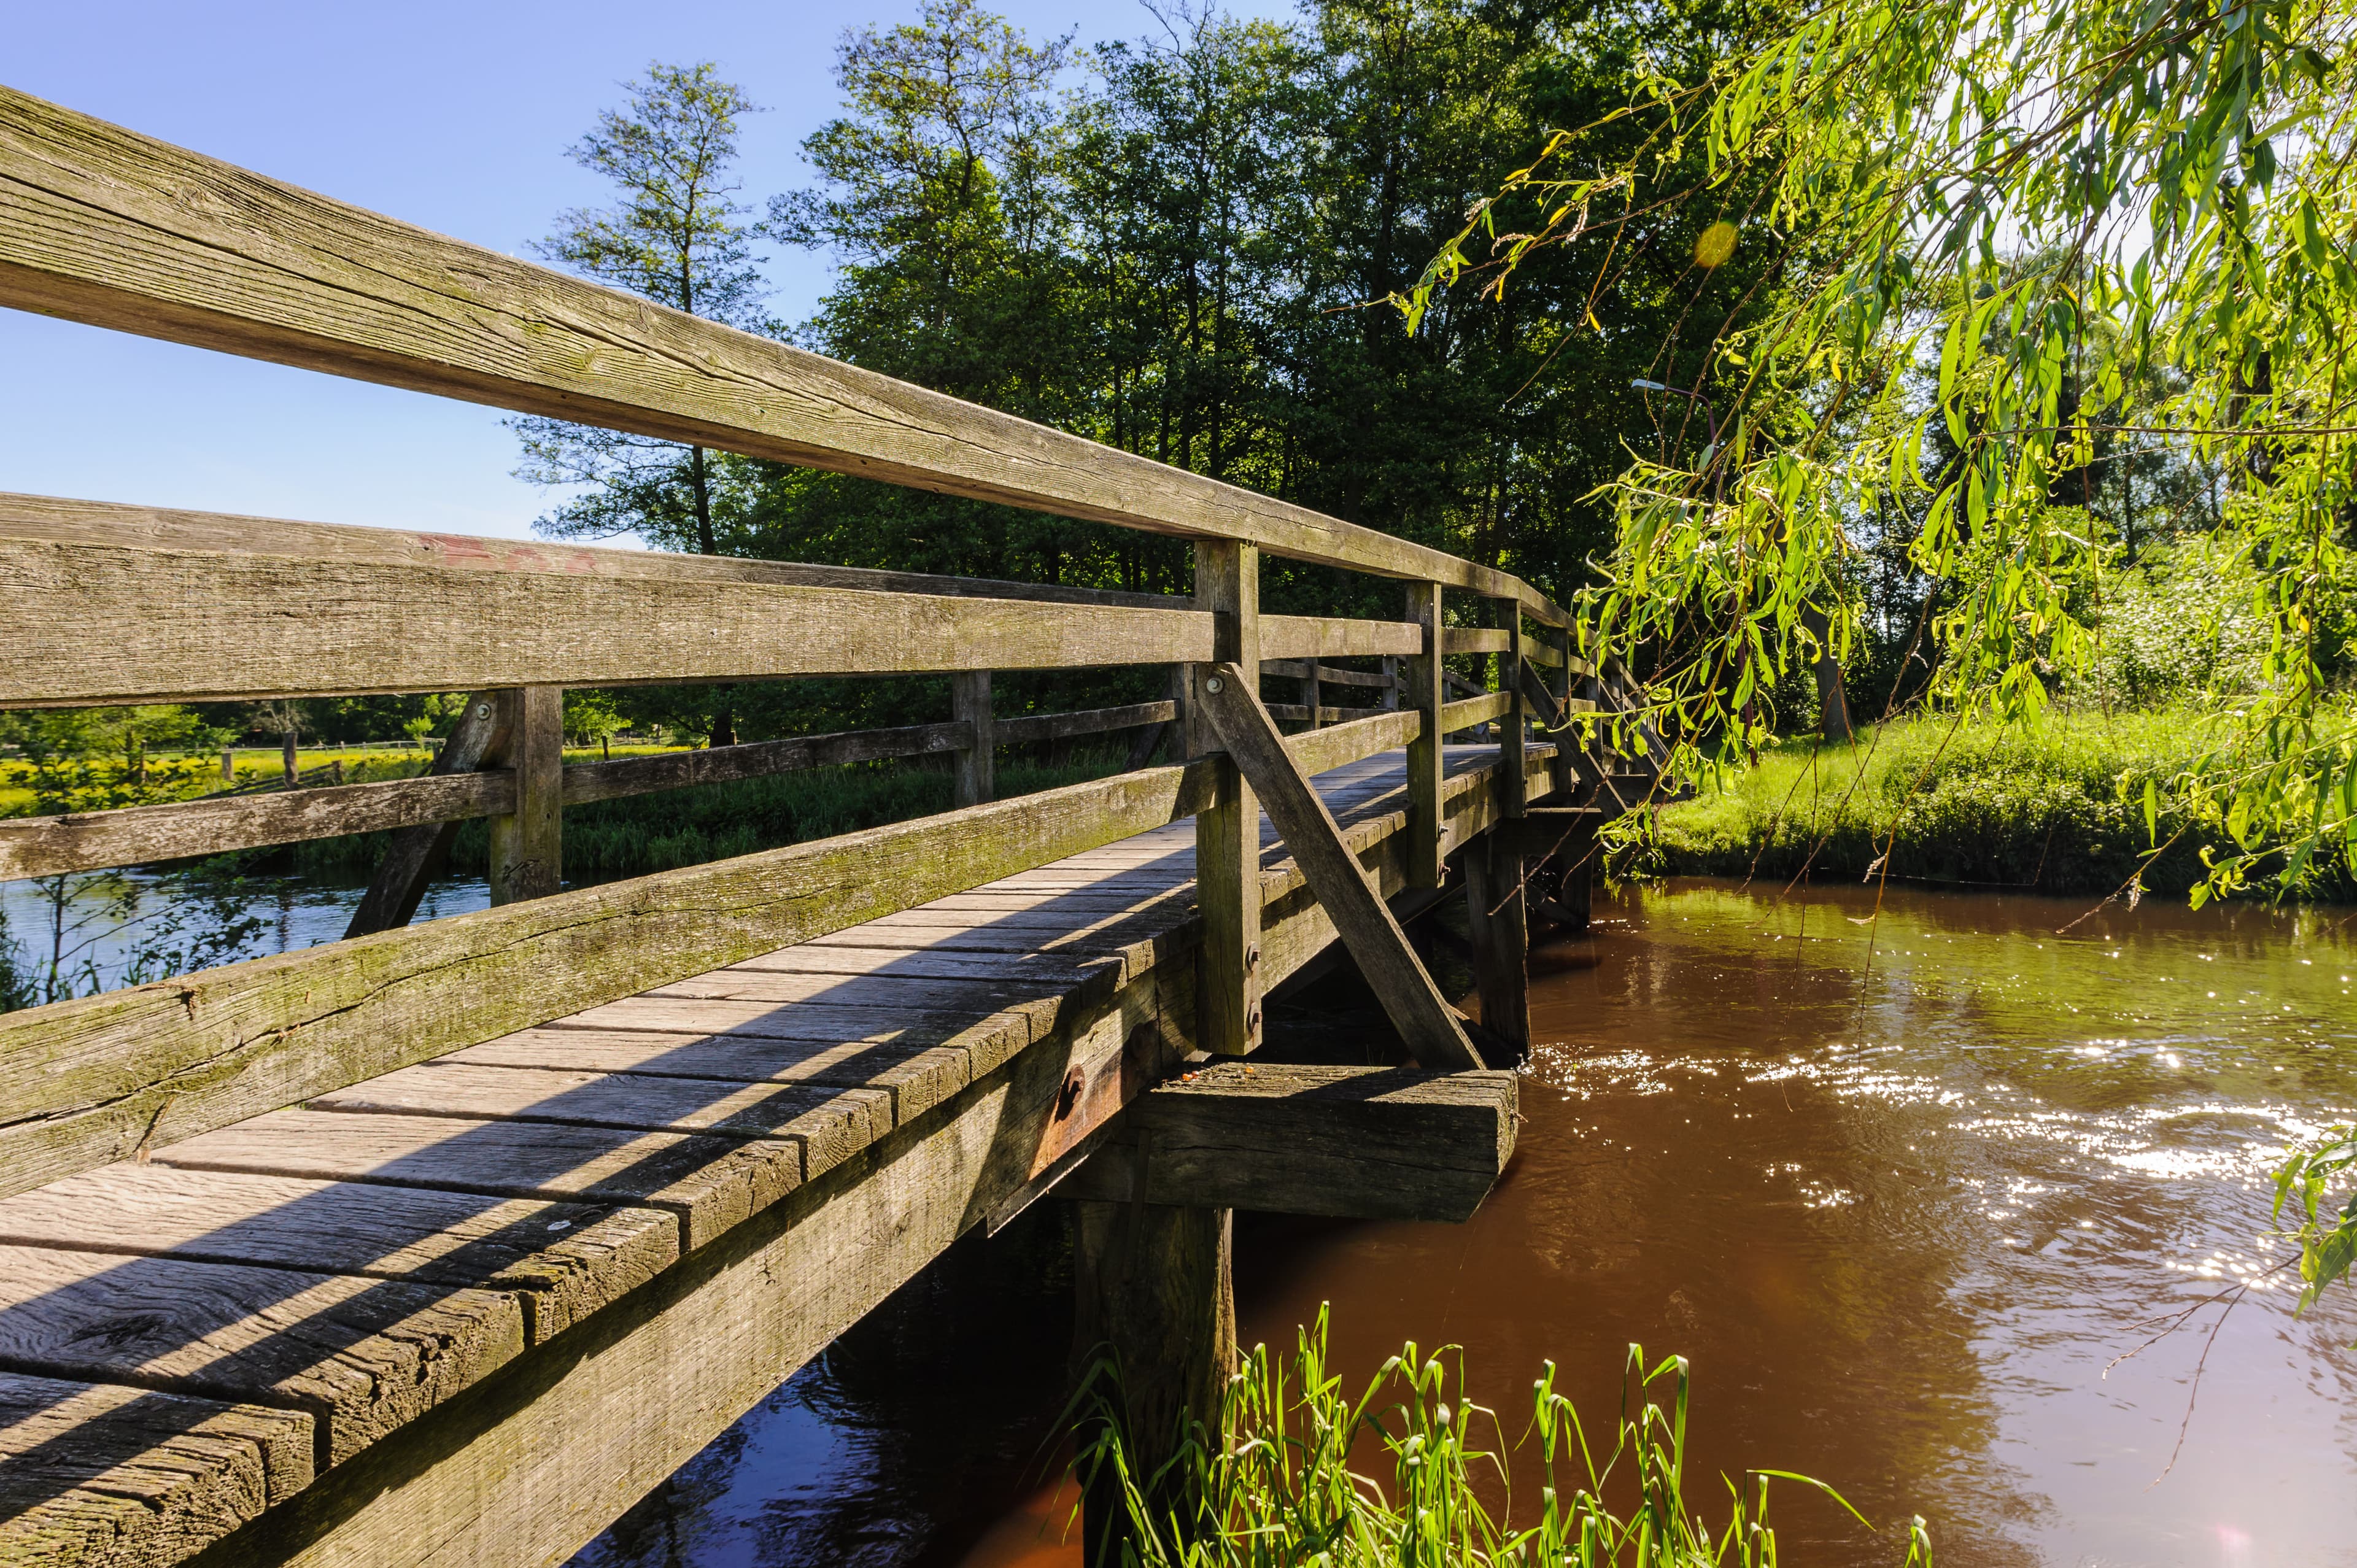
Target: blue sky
451, 116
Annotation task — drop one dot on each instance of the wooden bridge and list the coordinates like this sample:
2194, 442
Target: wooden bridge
446, 1243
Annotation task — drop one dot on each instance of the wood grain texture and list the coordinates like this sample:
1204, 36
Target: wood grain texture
362, 1356
1348, 1142
1468, 712
1499, 927
137, 835
1473, 640
1090, 721
536, 1465
169, 528
94, 1476
1430, 1027
1313, 637
418, 853
527, 844
100, 225
562, 1261
86, 1082
1227, 832
607, 780
829, 1123
711, 1184
1421, 695
182, 625
1339, 746
974, 772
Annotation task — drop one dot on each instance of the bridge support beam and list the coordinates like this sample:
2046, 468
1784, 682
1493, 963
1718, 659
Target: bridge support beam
976, 763
1155, 1324
1499, 927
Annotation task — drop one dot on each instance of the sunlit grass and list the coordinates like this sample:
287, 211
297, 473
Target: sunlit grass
2057, 806
1283, 1487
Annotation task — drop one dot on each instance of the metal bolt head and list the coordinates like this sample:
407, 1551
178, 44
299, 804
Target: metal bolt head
482, 710
1214, 684
1252, 958
1252, 1020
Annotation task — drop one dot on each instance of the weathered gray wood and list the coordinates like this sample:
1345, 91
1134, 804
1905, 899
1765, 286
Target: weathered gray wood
1316, 637
1430, 1026
536, 1464
1327, 675
88, 1081
1423, 696
587, 782
1465, 713
94, 1476
1154, 1328
974, 774
1347, 1142
527, 843
1227, 833
1303, 712
1341, 744
159, 626
168, 528
100, 225
1495, 915
136, 835
1514, 730
416, 854
711, 1184
1473, 640
829, 1123
1090, 721
362, 1356
562, 1261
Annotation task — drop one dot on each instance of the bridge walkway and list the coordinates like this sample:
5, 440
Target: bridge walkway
193, 1337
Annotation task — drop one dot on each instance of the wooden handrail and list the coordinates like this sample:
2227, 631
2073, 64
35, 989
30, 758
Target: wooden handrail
103, 225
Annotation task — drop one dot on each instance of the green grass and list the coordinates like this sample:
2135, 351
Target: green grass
642, 833
1280, 1488
2024, 806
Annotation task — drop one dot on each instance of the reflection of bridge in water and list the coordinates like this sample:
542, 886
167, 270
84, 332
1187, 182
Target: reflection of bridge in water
446, 1243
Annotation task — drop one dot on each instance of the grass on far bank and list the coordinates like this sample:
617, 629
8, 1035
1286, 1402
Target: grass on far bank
2030, 806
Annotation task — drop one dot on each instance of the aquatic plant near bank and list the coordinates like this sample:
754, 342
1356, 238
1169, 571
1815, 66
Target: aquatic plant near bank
1281, 1490
2328, 1241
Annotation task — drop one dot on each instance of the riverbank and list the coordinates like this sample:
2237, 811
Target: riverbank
2051, 806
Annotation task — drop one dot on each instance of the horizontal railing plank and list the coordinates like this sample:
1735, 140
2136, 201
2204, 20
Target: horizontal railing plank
163, 528
1088, 721
588, 782
88, 840
1338, 745
1327, 674
1288, 637
1471, 711
152, 626
101, 225
1473, 640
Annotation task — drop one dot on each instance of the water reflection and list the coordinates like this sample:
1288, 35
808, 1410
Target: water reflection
1900, 1186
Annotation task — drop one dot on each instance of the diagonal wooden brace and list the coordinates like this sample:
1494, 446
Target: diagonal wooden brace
1434, 1030
416, 854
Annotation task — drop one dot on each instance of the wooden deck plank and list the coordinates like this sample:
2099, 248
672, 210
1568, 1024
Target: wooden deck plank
710, 1183
563, 1261
94, 1476
362, 1356
830, 1123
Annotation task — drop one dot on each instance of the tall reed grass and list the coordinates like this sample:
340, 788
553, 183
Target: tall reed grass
1282, 1488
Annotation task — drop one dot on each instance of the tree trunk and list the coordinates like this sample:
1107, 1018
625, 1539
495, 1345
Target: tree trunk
1833, 697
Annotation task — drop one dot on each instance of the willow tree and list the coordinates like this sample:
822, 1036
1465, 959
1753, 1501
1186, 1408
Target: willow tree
2002, 239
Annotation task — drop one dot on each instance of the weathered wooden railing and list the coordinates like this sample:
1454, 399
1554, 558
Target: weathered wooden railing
119, 605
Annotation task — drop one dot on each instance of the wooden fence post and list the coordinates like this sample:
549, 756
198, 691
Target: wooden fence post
1424, 694
1227, 834
1513, 725
1562, 772
228, 766
287, 760
1392, 682
976, 772
527, 858
1311, 692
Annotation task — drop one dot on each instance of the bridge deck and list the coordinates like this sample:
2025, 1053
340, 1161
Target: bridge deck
241, 1311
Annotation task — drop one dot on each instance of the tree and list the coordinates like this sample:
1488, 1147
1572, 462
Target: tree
676, 237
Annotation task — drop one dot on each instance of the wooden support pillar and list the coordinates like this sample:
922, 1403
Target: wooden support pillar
287, 759
1424, 694
1500, 930
1513, 725
1562, 774
976, 763
1227, 834
527, 846
1155, 1296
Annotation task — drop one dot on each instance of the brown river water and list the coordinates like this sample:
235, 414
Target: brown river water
1900, 1186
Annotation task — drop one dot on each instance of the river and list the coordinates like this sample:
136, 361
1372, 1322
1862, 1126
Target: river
1900, 1186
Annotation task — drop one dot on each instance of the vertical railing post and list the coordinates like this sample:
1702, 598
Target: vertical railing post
1424, 694
1391, 683
1513, 725
1313, 693
1563, 775
527, 847
1227, 833
970, 701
